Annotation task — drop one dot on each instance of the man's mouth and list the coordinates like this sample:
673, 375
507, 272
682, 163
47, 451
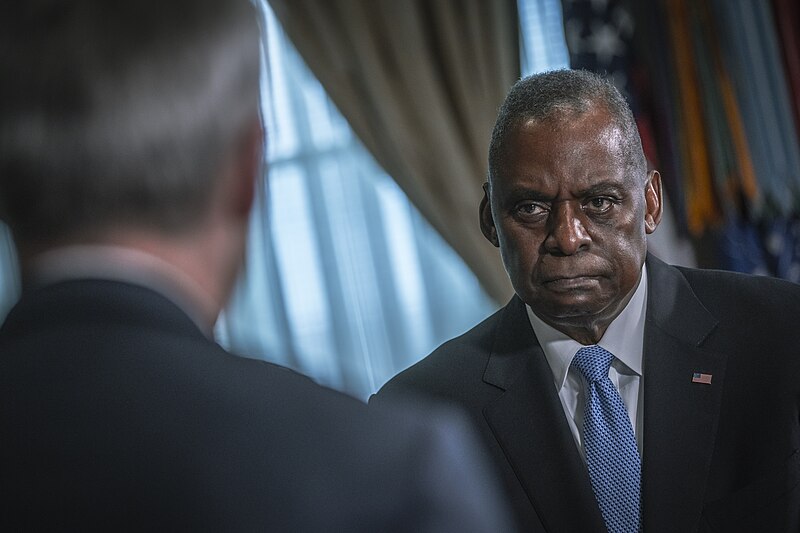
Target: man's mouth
572, 283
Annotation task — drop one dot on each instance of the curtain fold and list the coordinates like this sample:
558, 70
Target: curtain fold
420, 83
9, 272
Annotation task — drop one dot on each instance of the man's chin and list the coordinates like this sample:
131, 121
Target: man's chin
578, 306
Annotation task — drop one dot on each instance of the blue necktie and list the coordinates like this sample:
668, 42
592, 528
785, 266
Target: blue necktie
609, 443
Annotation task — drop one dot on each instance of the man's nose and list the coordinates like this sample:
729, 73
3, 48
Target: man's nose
566, 232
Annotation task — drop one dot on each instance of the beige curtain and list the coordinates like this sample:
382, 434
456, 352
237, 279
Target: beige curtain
420, 82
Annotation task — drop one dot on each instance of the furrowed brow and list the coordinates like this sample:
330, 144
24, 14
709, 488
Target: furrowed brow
603, 188
528, 193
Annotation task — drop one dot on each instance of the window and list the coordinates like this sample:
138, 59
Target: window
345, 282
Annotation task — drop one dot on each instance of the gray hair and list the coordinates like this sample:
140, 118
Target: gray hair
541, 96
120, 113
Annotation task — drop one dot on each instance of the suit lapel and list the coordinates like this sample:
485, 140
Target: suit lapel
529, 425
680, 416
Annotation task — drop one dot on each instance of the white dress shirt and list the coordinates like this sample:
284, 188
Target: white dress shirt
625, 339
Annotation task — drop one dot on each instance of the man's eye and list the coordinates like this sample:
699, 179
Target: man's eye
599, 204
532, 209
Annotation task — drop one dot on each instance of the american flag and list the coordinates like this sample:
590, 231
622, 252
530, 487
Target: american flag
600, 38
697, 377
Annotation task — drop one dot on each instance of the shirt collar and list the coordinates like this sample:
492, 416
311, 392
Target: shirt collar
624, 337
128, 265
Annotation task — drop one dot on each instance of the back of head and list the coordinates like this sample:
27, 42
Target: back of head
560, 93
118, 114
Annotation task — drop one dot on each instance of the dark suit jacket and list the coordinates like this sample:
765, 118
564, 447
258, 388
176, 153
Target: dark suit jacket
718, 457
116, 413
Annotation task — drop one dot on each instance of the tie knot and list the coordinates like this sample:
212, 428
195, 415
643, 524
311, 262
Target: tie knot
593, 362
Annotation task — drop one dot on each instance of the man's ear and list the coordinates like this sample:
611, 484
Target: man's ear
487, 220
247, 168
654, 204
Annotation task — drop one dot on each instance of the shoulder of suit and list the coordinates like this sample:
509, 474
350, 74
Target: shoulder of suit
760, 297
751, 284
447, 369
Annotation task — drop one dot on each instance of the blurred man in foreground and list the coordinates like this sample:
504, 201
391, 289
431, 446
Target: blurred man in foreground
130, 142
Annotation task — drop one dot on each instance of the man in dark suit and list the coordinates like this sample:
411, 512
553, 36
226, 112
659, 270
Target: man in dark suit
130, 144
614, 391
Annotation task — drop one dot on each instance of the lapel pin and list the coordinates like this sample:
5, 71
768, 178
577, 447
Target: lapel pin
705, 379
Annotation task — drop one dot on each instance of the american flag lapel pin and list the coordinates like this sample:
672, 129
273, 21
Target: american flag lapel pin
705, 379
